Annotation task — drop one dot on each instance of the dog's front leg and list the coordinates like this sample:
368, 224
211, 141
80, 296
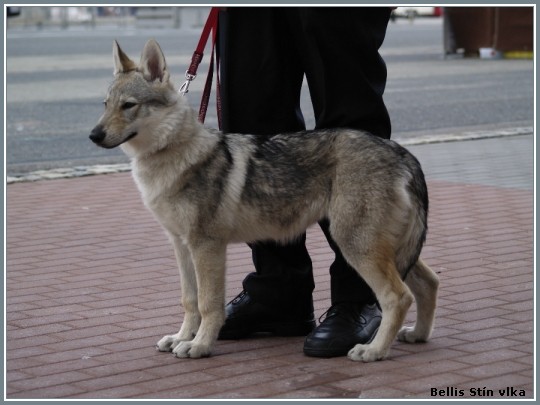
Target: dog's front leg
188, 281
209, 260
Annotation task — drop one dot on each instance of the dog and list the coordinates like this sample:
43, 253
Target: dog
208, 189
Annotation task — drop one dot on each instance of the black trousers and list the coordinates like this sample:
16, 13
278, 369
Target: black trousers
265, 53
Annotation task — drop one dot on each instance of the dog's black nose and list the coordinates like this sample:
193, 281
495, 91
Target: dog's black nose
97, 135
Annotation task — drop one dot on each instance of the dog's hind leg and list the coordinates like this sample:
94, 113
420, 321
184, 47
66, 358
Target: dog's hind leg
423, 283
188, 282
376, 266
209, 260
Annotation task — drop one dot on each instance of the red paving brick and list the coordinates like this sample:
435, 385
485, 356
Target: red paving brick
92, 284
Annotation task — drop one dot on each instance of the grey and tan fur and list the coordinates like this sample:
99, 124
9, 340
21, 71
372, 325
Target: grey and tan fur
208, 189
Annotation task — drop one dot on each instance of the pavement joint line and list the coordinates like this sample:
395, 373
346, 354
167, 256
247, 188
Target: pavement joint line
81, 171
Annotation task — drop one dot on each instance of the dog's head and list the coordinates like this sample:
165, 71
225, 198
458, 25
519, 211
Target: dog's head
137, 101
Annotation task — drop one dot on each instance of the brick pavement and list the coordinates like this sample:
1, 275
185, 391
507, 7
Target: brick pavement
92, 285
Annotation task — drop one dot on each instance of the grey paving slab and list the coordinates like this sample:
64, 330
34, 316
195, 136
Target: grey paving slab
501, 162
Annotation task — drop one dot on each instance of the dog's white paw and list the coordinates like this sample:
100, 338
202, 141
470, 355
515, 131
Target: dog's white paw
167, 343
365, 353
409, 334
191, 350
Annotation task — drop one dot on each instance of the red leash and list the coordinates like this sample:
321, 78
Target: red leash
211, 26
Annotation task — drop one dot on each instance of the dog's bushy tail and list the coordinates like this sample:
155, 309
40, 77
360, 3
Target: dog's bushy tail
416, 230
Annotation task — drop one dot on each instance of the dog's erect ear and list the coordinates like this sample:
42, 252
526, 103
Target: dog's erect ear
122, 63
153, 64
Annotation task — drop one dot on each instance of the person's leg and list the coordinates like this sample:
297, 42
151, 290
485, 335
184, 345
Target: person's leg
345, 72
346, 77
261, 82
261, 74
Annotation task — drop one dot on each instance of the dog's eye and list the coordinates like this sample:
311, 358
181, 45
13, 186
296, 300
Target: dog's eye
127, 105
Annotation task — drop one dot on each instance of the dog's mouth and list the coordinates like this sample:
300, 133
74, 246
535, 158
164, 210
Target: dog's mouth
130, 136
99, 135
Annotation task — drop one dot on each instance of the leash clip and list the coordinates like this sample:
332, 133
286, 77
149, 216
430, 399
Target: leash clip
184, 89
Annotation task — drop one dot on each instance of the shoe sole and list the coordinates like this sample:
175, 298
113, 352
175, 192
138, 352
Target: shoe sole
337, 352
276, 329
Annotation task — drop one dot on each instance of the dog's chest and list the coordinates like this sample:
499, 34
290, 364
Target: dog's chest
171, 210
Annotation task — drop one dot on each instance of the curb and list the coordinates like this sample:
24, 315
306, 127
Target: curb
465, 136
81, 171
66, 173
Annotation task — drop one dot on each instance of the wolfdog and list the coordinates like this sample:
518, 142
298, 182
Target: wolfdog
208, 188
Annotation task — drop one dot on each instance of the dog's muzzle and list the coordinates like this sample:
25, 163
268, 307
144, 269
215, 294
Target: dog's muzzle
97, 135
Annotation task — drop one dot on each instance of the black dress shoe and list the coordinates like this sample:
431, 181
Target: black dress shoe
246, 317
346, 324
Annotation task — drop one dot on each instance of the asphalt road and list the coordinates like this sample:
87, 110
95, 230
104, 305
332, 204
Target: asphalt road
57, 79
